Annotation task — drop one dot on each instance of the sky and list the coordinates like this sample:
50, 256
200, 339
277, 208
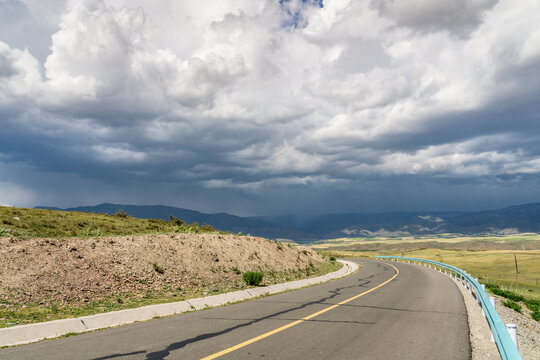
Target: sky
270, 107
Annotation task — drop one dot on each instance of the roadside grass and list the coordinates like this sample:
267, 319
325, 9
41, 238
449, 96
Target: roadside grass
20, 314
513, 299
12, 314
32, 223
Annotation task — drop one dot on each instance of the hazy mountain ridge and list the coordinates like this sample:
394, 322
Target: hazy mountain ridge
304, 228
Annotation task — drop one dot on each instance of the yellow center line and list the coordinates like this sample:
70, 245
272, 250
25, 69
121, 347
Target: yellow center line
270, 333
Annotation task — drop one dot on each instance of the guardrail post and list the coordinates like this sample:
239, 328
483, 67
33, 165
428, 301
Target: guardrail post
512, 330
492, 301
477, 294
494, 304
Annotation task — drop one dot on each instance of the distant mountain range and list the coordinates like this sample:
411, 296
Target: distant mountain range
513, 219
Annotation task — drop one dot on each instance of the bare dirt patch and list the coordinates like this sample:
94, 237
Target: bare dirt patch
77, 271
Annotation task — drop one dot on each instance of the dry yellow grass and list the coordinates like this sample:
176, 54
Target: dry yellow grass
519, 239
487, 258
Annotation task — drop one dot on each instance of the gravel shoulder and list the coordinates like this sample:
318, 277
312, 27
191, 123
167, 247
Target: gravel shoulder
483, 348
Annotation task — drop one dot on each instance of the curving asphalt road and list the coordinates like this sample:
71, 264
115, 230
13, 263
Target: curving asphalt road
419, 314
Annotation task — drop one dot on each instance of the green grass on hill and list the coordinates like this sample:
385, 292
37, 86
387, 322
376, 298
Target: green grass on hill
31, 223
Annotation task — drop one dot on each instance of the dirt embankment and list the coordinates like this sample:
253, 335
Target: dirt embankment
84, 270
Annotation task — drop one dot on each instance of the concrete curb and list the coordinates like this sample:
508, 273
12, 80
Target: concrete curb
24, 334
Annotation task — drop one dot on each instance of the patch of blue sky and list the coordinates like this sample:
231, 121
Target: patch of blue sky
295, 17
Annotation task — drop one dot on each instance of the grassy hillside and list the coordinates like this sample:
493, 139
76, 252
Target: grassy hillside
223, 221
32, 223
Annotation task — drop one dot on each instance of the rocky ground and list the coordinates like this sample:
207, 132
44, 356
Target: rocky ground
78, 271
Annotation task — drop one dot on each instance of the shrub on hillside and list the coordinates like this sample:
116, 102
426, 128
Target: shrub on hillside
512, 305
194, 227
207, 228
121, 214
158, 268
533, 304
252, 277
332, 258
496, 289
176, 220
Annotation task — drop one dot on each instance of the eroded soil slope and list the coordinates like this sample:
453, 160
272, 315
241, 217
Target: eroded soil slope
44, 271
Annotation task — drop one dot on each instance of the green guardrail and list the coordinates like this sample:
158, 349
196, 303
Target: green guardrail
507, 349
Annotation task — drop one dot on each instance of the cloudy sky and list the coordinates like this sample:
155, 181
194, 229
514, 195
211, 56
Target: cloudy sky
270, 107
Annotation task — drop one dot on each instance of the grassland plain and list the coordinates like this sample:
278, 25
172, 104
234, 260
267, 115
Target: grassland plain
56, 264
489, 258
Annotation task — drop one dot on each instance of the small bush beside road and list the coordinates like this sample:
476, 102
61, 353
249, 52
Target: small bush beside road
253, 278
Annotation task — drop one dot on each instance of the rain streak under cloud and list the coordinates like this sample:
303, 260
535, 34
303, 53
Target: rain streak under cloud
269, 107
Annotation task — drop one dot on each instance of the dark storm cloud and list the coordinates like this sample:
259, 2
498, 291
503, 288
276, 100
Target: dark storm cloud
351, 111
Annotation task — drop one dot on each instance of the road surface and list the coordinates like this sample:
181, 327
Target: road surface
384, 311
